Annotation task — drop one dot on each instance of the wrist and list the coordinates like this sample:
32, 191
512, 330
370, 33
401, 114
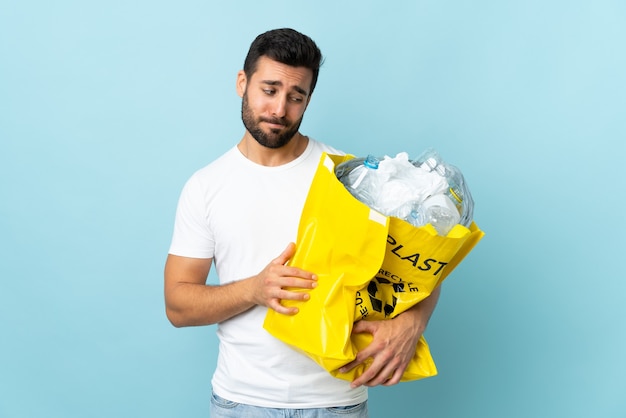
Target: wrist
413, 319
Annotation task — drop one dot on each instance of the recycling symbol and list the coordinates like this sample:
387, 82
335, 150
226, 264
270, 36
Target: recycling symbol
377, 304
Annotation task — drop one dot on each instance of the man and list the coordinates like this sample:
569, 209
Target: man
241, 212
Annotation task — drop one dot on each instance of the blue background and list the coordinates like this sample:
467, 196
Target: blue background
107, 107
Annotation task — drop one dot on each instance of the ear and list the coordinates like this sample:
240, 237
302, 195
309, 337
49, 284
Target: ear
242, 82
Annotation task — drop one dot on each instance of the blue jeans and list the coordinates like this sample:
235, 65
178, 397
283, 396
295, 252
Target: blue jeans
223, 408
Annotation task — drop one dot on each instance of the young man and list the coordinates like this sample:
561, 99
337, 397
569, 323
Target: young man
241, 212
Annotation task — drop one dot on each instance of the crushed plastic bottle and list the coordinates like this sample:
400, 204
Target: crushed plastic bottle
360, 177
457, 189
440, 212
426, 190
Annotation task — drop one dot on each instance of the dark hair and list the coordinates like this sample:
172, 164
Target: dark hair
286, 46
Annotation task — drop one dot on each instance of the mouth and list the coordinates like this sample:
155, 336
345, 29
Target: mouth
274, 123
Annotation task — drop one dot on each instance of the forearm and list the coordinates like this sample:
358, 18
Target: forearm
192, 304
422, 311
189, 301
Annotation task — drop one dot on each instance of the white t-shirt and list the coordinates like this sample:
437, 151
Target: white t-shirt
243, 215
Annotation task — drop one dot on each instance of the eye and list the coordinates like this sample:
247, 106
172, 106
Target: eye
269, 92
296, 99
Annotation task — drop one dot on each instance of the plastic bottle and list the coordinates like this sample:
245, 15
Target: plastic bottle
441, 212
359, 175
441, 199
457, 190
409, 212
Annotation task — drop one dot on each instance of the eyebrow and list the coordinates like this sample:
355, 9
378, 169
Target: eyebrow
279, 83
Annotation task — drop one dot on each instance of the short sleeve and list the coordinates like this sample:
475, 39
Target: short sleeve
192, 236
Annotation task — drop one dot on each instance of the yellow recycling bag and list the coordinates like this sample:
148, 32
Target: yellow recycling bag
416, 261
369, 267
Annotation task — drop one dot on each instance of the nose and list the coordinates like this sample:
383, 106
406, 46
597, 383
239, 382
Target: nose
279, 109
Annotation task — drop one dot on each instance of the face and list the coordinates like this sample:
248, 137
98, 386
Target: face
274, 100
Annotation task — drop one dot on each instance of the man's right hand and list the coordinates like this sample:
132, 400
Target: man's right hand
277, 282
190, 301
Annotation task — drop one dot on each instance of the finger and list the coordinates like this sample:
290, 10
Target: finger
374, 375
361, 357
347, 367
367, 352
364, 326
298, 296
281, 309
285, 255
295, 272
359, 381
382, 376
297, 282
395, 379
364, 378
390, 373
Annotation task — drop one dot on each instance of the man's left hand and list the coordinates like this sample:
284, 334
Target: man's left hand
392, 348
394, 344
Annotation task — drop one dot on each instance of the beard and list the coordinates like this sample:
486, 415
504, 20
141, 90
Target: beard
275, 138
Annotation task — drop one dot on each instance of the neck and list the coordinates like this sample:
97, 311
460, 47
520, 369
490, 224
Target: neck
272, 157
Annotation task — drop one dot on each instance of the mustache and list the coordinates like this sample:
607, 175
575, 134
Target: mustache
278, 121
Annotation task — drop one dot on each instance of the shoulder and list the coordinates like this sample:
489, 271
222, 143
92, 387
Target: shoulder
212, 175
224, 163
324, 147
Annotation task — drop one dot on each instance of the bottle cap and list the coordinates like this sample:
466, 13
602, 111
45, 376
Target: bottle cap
371, 162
